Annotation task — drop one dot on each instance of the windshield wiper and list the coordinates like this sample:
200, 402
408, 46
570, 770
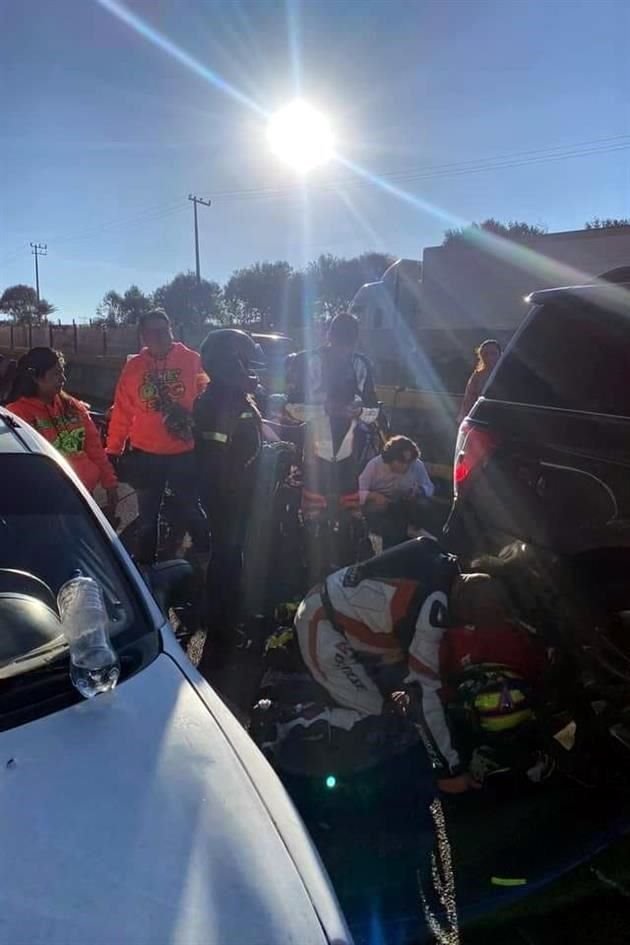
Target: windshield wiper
34, 658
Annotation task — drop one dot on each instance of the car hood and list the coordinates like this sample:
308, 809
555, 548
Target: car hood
132, 819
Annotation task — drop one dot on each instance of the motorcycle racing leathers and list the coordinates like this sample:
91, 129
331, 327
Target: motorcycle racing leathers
391, 609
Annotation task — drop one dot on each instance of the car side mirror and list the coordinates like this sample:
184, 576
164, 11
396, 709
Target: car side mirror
171, 582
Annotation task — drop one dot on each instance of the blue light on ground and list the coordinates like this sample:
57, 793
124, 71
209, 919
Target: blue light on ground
331, 781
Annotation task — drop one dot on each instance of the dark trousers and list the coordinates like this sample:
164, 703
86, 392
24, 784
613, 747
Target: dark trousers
228, 518
392, 523
152, 473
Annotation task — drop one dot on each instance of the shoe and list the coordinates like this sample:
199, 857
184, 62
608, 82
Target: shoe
484, 764
272, 722
542, 769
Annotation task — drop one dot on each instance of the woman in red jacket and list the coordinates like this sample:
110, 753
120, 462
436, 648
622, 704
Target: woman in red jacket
38, 398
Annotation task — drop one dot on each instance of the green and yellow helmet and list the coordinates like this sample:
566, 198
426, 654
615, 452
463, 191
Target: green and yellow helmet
498, 698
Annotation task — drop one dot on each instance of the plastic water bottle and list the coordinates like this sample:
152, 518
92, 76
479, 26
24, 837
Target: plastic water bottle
94, 664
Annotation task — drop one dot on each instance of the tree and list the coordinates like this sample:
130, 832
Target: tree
110, 310
116, 309
335, 281
609, 223
262, 291
20, 302
189, 303
513, 230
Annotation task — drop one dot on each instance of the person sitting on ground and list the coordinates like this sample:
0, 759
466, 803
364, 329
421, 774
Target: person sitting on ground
394, 488
38, 397
488, 354
393, 610
312, 376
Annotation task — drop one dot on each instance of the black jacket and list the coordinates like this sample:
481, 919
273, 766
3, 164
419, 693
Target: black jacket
228, 441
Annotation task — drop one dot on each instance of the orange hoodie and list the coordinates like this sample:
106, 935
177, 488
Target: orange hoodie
136, 414
67, 424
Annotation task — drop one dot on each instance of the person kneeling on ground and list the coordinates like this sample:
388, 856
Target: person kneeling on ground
394, 489
391, 609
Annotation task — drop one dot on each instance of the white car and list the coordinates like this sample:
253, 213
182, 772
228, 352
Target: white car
146, 815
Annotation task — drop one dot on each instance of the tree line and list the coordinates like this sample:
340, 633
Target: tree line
265, 294
520, 231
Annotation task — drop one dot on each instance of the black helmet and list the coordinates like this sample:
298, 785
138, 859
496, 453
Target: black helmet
227, 354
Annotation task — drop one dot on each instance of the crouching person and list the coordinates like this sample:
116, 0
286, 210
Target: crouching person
395, 491
394, 608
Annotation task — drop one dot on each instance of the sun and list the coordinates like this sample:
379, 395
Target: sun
300, 136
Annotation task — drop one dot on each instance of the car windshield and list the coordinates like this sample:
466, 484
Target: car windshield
47, 531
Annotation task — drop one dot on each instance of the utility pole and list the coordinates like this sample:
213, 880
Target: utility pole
204, 203
38, 249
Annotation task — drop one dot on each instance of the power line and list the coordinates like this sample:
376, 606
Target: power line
417, 174
139, 218
451, 169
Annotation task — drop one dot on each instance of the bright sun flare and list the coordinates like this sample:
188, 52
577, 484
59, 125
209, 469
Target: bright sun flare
300, 136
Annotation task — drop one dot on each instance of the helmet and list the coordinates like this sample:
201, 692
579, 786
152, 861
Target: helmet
498, 698
227, 354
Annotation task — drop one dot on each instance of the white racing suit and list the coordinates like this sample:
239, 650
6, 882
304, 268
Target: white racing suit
390, 609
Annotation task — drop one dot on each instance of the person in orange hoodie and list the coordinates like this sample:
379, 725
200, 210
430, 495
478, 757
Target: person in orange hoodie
152, 413
38, 397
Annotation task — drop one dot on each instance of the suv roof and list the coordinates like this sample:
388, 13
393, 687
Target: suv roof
570, 353
609, 290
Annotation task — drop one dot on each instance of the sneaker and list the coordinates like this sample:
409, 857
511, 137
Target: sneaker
263, 726
542, 769
484, 764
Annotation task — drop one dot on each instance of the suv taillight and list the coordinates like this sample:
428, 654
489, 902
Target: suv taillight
474, 448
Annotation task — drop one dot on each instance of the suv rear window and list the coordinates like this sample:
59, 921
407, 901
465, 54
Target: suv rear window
570, 354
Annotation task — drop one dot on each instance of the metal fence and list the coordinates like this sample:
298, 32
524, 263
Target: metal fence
95, 340
114, 341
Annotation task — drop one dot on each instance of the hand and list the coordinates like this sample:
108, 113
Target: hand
398, 703
377, 500
403, 703
458, 784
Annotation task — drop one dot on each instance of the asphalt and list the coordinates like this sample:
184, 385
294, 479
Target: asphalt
589, 905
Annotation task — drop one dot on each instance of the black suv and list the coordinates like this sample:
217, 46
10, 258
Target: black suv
544, 457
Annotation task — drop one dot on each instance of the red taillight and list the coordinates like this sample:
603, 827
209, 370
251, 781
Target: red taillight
474, 448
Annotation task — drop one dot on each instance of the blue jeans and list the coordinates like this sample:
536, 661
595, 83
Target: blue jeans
152, 473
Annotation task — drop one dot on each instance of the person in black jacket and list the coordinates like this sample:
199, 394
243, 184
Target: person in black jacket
314, 377
228, 442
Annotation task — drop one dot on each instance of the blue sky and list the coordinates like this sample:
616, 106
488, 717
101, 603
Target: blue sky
103, 134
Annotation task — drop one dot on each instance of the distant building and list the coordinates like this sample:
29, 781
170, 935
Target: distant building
421, 322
